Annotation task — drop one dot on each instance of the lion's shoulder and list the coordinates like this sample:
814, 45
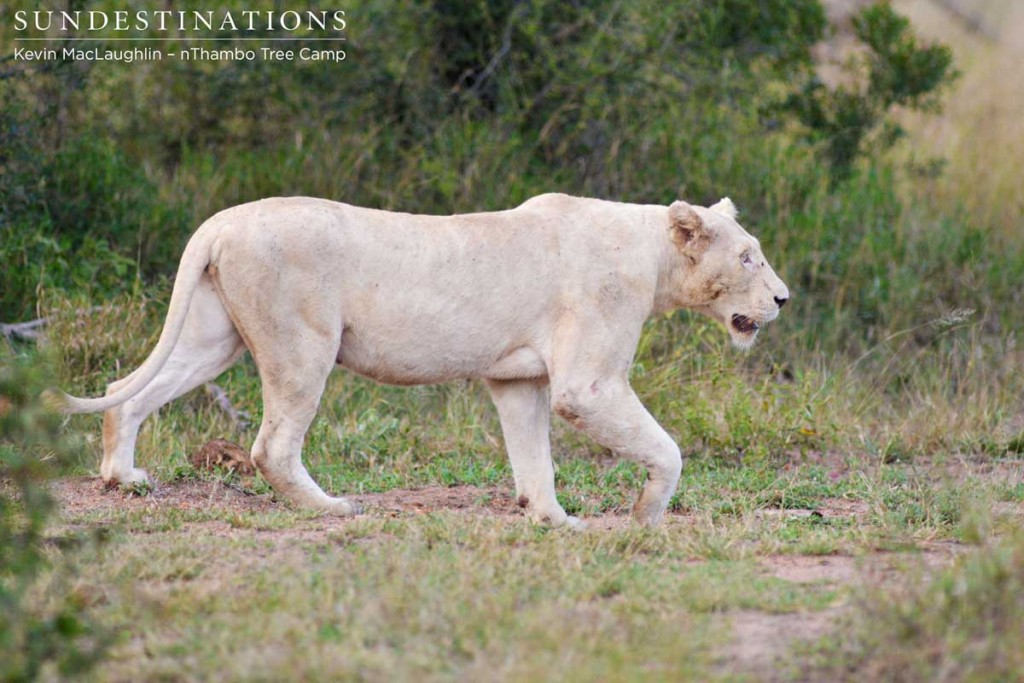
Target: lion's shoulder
557, 202
553, 201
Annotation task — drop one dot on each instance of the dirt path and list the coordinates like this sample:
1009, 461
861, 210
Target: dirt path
81, 495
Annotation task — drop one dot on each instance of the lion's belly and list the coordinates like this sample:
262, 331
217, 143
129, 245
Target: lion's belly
427, 356
433, 323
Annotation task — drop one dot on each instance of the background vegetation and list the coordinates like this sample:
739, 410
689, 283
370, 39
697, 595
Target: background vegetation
898, 351
54, 632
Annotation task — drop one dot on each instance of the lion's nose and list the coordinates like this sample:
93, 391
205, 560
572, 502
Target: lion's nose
780, 301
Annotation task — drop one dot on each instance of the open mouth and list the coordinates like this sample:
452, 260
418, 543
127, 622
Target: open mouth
743, 324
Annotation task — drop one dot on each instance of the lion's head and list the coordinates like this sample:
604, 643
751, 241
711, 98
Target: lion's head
725, 275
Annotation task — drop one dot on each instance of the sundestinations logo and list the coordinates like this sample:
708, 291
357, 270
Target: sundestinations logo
310, 35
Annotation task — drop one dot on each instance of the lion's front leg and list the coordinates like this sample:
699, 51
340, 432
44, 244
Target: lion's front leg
608, 411
524, 408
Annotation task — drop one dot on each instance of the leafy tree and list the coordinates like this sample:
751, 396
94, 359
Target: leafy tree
899, 72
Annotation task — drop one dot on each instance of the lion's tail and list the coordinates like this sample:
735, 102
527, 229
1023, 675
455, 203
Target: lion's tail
194, 261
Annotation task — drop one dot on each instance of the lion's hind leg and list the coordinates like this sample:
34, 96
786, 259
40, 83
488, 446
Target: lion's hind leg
294, 376
291, 395
286, 304
208, 345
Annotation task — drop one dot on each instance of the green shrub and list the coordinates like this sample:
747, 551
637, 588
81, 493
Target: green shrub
462, 105
36, 259
53, 630
92, 190
899, 72
643, 102
77, 215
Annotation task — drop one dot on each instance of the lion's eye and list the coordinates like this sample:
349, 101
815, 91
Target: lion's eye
746, 260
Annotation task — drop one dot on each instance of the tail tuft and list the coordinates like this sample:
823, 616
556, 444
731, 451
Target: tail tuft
56, 400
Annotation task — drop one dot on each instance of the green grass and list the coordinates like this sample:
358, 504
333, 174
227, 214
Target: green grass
437, 598
241, 592
960, 624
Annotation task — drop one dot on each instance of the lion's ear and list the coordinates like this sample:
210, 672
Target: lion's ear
725, 207
688, 230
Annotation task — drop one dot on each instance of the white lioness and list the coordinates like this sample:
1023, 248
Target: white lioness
545, 302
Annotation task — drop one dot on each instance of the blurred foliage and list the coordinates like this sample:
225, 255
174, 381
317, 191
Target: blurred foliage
899, 72
43, 623
962, 624
38, 258
462, 105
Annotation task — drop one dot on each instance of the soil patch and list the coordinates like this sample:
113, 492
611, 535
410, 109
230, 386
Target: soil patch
87, 495
762, 643
83, 495
879, 567
491, 500
811, 568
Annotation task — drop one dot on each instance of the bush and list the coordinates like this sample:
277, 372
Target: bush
37, 259
56, 630
91, 190
75, 216
899, 72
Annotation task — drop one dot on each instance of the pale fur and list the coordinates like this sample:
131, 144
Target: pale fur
544, 302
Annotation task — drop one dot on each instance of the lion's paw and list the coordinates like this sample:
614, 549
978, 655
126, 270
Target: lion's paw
137, 477
558, 520
134, 477
575, 523
135, 483
343, 507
